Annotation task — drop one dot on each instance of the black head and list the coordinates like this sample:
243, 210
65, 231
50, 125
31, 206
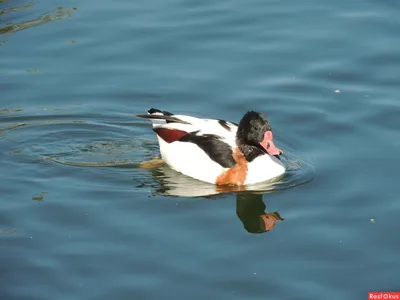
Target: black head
254, 136
252, 128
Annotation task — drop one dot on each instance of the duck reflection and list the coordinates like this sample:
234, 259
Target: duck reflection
251, 210
250, 207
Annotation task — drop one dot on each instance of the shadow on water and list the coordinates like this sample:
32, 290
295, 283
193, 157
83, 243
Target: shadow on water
11, 11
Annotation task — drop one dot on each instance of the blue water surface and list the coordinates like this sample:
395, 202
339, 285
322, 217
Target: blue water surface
79, 218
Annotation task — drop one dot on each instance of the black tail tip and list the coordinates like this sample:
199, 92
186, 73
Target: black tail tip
155, 110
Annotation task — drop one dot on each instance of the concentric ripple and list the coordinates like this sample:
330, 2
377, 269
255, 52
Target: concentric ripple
77, 140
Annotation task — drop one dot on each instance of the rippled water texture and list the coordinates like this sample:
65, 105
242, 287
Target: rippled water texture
80, 218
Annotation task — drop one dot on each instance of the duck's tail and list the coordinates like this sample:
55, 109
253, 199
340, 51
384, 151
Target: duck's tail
159, 117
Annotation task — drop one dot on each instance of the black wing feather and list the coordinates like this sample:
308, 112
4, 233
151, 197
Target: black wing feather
217, 150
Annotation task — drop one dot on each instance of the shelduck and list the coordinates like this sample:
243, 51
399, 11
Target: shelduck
218, 151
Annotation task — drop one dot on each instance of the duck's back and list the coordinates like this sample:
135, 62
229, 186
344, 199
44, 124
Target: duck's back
199, 148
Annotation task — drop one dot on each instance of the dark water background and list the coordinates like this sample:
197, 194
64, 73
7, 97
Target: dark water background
80, 220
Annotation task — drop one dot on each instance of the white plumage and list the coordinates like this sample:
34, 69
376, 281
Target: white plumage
190, 159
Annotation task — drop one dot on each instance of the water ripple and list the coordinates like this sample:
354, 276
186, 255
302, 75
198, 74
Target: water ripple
83, 141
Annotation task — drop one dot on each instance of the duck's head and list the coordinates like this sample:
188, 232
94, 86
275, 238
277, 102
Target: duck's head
254, 130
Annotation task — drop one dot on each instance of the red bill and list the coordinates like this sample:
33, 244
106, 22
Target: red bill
269, 145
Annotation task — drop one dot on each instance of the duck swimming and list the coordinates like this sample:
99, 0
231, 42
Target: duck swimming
218, 151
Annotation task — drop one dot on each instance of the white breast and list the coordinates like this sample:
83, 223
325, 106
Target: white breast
264, 168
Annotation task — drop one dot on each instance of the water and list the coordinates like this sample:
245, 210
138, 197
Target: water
80, 220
